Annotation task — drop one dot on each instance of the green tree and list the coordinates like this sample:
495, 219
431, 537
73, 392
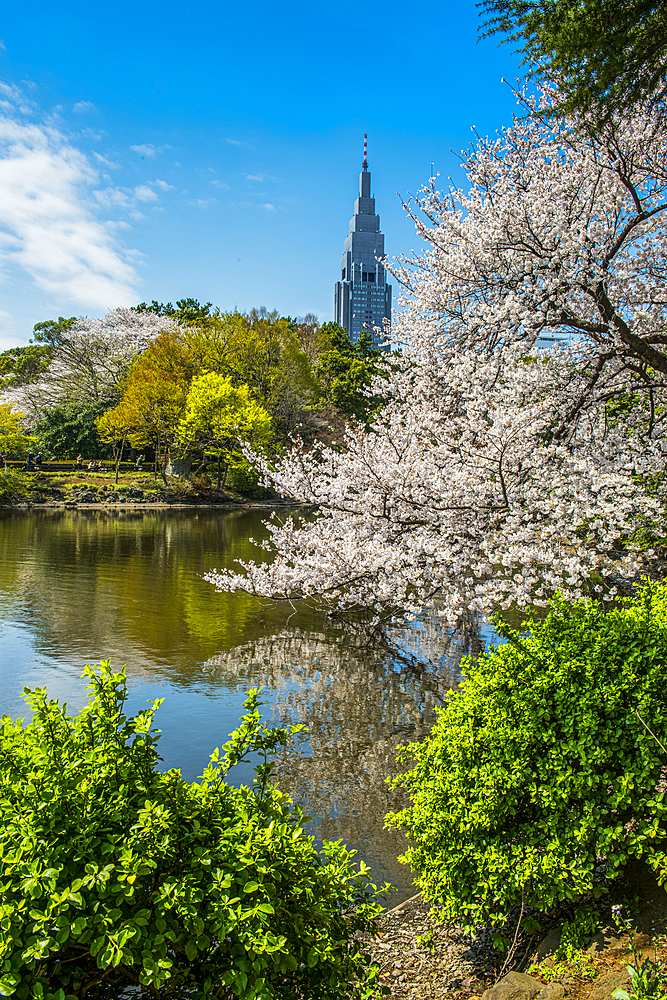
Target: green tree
344, 371
606, 55
153, 401
219, 416
52, 331
185, 311
67, 430
23, 365
13, 442
260, 348
265, 354
544, 764
309, 334
113, 428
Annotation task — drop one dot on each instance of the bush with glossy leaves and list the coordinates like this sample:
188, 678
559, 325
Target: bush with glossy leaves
546, 763
115, 875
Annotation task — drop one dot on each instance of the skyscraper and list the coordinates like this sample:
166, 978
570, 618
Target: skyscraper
362, 297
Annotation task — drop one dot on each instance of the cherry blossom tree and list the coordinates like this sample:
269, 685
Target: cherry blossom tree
498, 473
91, 361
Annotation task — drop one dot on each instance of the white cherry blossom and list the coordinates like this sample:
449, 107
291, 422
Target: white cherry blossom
498, 473
91, 363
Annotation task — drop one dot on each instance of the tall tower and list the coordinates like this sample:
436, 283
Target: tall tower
362, 297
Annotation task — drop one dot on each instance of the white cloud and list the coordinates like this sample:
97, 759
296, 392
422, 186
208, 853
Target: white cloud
144, 193
201, 202
220, 184
137, 215
235, 142
3, 47
81, 107
148, 149
106, 162
163, 186
47, 222
145, 150
255, 177
112, 197
125, 198
13, 98
269, 207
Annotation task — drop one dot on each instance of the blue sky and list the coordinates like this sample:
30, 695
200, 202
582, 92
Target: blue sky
162, 150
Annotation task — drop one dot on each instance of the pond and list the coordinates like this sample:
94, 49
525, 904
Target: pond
77, 586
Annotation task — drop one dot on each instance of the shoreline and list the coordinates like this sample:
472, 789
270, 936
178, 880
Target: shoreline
157, 505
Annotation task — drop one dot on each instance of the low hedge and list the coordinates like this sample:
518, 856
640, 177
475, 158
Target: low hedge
114, 874
548, 763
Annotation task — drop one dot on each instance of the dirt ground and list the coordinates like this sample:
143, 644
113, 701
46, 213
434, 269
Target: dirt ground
422, 959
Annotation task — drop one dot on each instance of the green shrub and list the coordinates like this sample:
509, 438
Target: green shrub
114, 874
577, 933
540, 767
244, 478
14, 481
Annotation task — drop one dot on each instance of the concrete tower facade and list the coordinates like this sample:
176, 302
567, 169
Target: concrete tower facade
362, 297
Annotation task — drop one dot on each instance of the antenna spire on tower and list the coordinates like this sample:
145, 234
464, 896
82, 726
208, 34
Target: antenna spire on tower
365, 163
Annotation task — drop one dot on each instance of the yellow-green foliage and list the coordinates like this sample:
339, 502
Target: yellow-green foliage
541, 765
13, 442
115, 874
220, 415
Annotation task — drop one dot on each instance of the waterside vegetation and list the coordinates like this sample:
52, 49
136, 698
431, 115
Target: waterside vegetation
117, 875
545, 765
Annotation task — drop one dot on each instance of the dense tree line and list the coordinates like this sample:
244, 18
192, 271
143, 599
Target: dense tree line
183, 380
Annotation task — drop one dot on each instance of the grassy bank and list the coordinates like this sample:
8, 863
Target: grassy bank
59, 482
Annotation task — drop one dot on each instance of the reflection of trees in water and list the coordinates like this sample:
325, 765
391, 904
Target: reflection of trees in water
128, 584
359, 699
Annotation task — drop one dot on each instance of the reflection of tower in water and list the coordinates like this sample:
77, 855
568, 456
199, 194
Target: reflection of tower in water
359, 699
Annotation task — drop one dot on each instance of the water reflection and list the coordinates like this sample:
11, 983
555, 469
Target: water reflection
359, 700
76, 586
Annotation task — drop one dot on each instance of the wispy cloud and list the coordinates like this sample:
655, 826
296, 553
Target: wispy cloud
3, 47
163, 186
269, 207
13, 99
148, 149
105, 161
113, 197
48, 225
235, 142
144, 193
126, 197
201, 202
81, 107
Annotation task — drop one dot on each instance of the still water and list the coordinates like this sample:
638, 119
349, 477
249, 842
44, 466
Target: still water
77, 586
